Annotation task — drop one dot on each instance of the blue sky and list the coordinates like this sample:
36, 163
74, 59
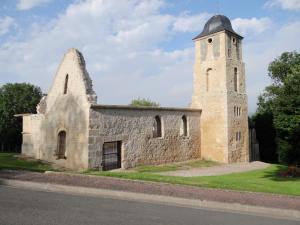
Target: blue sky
136, 48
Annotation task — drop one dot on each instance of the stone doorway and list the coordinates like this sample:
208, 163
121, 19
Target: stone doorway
111, 158
61, 145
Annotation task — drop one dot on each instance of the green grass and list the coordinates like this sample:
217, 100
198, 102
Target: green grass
175, 166
12, 161
263, 180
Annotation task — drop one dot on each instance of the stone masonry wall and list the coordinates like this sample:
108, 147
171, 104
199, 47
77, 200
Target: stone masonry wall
31, 135
210, 95
134, 127
68, 112
237, 103
215, 94
62, 111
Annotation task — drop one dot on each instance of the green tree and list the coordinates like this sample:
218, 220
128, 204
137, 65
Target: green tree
266, 136
15, 99
282, 100
143, 102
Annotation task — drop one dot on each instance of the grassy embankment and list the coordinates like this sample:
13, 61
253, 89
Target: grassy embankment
12, 161
263, 180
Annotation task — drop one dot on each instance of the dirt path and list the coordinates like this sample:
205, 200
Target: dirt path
218, 170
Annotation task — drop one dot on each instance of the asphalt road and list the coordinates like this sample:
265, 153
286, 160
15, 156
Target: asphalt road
29, 207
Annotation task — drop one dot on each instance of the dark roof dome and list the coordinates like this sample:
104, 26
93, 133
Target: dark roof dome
215, 24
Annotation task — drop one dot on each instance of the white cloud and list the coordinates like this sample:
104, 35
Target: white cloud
284, 4
193, 23
29, 4
6, 24
251, 26
259, 53
123, 41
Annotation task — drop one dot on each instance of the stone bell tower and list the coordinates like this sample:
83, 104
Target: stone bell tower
219, 90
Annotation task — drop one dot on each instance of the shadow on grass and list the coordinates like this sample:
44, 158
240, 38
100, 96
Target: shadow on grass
277, 174
12, 161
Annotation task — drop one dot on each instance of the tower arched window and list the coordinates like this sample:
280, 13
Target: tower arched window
157, 127
184, 126
61, 145
208, 79
66, 84
235, 79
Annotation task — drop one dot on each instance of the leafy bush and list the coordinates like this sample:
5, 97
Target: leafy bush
282, 100
144, 102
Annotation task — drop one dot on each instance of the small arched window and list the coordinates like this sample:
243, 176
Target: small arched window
157, 127
208, 78
233, 40
61, 145
184, 126
235, 79
66, 84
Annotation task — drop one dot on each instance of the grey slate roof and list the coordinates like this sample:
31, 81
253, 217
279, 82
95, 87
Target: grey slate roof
216, 24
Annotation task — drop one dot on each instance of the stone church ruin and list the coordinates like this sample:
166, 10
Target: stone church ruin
70, 129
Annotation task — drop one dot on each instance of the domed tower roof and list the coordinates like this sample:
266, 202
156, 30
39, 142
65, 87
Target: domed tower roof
216, 24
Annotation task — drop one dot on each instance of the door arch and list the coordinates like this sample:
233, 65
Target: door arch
61, 144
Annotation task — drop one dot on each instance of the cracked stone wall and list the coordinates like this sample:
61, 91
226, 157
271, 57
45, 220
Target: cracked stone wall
134, 128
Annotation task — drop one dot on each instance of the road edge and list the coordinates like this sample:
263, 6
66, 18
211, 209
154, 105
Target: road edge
157, 199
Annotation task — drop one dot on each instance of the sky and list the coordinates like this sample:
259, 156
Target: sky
139, 48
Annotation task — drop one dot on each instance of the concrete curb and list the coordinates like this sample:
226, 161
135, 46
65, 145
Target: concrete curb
157, 199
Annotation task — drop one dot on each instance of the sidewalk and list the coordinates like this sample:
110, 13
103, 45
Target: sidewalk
226, 199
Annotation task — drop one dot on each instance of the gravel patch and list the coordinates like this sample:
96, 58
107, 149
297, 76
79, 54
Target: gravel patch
218, 170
